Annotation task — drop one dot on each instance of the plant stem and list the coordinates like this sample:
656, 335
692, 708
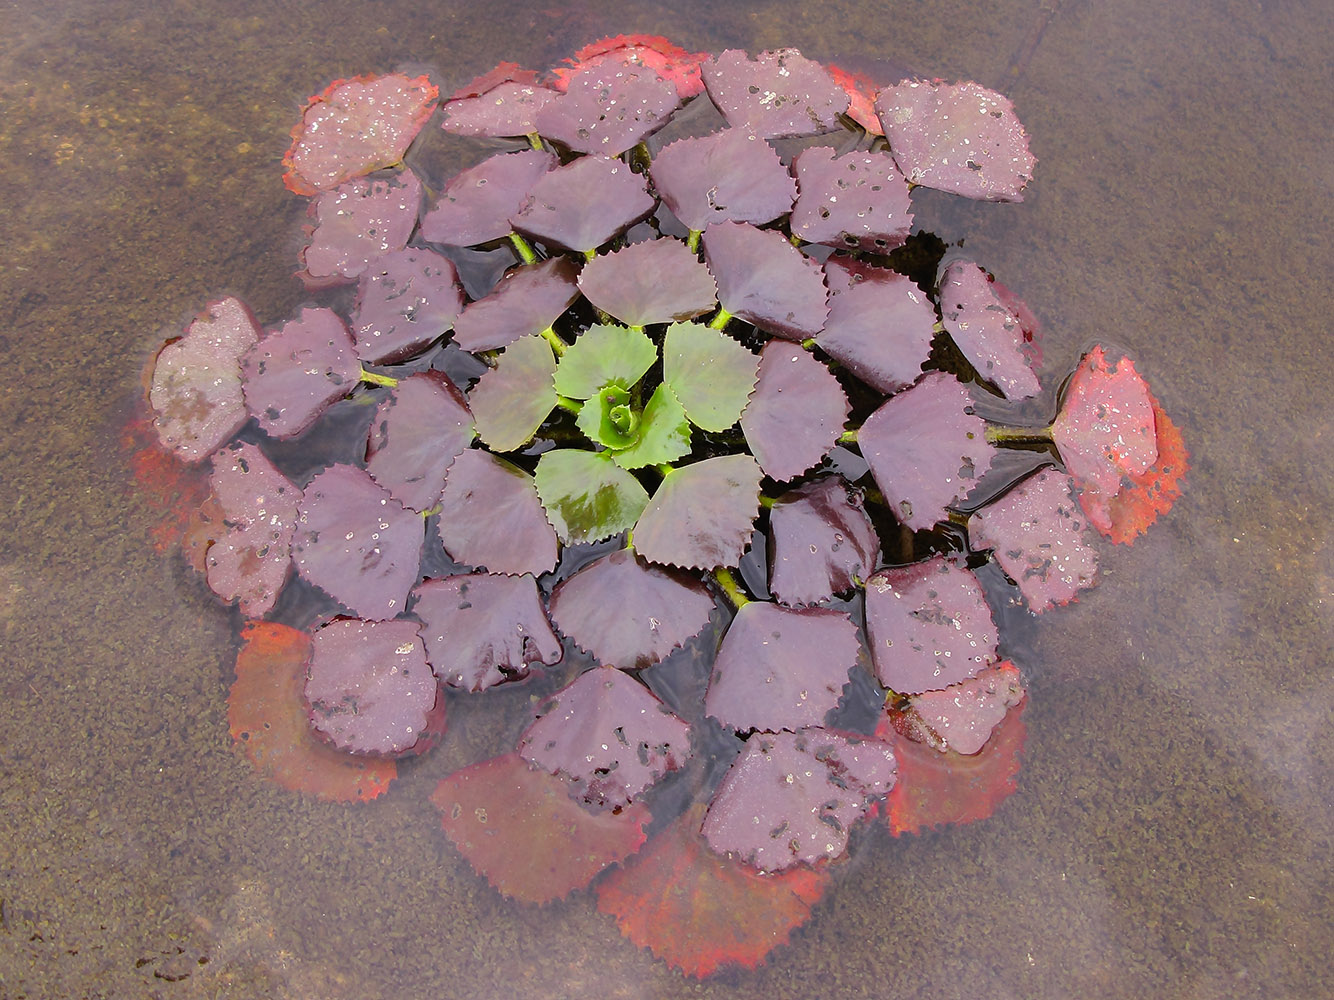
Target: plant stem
664, 470
375, 378
998, 434
956, 517
721, 320
848, 437
566, 403
767, 502
730, 588
692, 241
554, 339
526, 253
808, 344
535, 141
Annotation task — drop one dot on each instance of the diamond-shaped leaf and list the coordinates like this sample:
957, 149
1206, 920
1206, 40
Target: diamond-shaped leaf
730, 176
656, 281
416, 434
296, 371
583, 204
765, 280
609, 106
405, 300
510, 401
476, 205
856, 199
780, 93
796, 414
360, 221
994, 332
821, 541
490, 516
702, 515
526, 301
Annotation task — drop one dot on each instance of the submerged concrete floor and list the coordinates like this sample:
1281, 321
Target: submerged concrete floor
1171, 835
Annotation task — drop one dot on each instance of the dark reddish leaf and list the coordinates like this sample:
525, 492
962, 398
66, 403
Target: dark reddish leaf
656, 281
779, 94
936, 788
958, 137
296, 371
371, 690
359, 221
405, 300
861, 91
528, 299
609, 105
729, 176
628, 613
510, 401
583, 204
417, 433
671, 62
880, 324
508, 108
267, 716
961, 718
793, 797
519, 828
796, 413
1106, 431
926, 449
490, 517
609, 735
702, 515
476, 205
357, 543
994, 332
354, 127
821, 541
928, 625
781, 668
765, 280
857, 200
481, 630
1040, 538
257, 506
699, 912
1143, 497
196, 387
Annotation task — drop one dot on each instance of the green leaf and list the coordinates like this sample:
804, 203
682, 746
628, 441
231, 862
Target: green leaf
664, 433
510, 401
604, 355
586, 497
608, 418
711, 374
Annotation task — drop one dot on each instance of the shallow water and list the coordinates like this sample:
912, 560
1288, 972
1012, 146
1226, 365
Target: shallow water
1171, 834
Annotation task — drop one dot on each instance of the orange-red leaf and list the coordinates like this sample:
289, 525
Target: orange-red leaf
936, 788
267, 713
1143, 497
698, 911
168, 485
861, 93
671, 62
518, 827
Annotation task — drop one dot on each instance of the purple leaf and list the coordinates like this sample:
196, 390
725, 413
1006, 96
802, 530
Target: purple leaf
509, 108
359, 221
780, 94
405, 300
370, 689
481, 630
857, 200
702, 515
417, 432
796, 413
821, 542
958, 137
584, 204
476, 205
928, 625
880, 324
296, 371
627, 613
765, 280
781, 668
250, 562
995, 335
528, 299
792, 797
963, 716
1041, 539
729, 176
197, 380
657, 281
609, 735
357, 543
608, 107
926, 450
510, 401
490, 517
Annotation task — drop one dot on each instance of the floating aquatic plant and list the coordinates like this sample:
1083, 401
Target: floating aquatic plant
705, 417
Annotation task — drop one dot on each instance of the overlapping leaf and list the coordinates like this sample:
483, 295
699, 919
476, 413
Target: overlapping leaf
481, 630
821, 542
476, 205
855, 199
709, 372
993, 330
528, 300
730, 176
360, 221
604, 355
510, 402
417, 433
405, 300
586, 495
608, 106
880, 324
963, 716
765, 280
669, 61
702, 515
583, 204
506, 104
656, 281
796, 414
629, 613
491, 517
296, 371
778, 94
